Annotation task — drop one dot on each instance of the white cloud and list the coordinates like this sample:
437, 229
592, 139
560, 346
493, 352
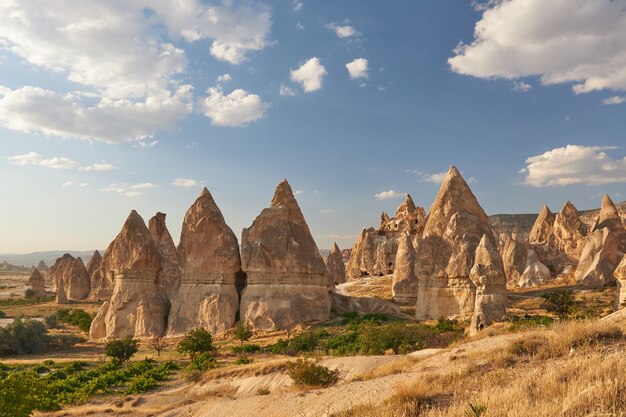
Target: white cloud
521, 86
286, 90
238, 108
327, 211
574, 164
57, 162
299, 26
224, 78
298, 192
33, 109
73, 184
385, 195
614, 100
143, 144
144, 186
357, 68
345, 31
297, 6
560, 41
121, 189
309, 75
184, 182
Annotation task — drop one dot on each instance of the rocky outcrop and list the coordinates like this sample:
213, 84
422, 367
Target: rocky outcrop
458, 270
365, 305
598, 259
58, 270
93, 264
404, 284
542, 228
37, 283
287, 282
209, 258
335, 267
569, 232
61, 297
42, 267
609, 217
514, 256
374, 252
620, 276
535, 272
169, 279
137, 306
75, 281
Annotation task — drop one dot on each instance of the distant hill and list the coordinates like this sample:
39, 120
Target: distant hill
49, 257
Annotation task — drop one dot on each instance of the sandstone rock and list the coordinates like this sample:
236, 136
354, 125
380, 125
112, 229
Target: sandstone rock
514, 256
37, 283
75, 281
42, 267
620, 276
542, 229
169, 278
408, 218
93, 264
598, 259
61, 297
57, 271
535, 273
335, 266
364, 305
286, 276
487, 274
137, 306
209, 258
609, 217
404, 284
569, 232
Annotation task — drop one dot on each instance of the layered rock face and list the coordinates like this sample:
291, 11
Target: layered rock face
137, 306
374, 252
446, 255
57, 271
598, 259
93, 264
542, 228
569, 231
287, 282
522, 266
37, 283
209, 258
620, 276
335, 266
404, 284
609, 217
169, 279
75, 281
535, 272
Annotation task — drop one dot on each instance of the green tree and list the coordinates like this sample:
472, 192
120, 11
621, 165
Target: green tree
560, 302
23, 336
121, 350
242, 332
194, 342
21, 393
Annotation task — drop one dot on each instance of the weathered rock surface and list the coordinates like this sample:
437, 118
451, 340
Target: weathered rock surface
61, 297
335, 266
514, 256
609, 217
457, 240
93, 264
598, 259
287, 281
364, 305
620, 276
57, 271
137, 306
37, 283
404, 284
209, 258
535, 273
542, 229
75, 281
569, 232
42, 267
169, 278
374, 252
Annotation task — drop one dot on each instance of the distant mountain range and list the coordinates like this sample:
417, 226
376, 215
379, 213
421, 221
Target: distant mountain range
49, 257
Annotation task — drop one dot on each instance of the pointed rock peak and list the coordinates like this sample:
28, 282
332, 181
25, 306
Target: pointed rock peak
204, 191
96, 254
335, 248
35, 275
283, 196
407, 206
569, 208
453, 171
486, 254
608, 208
134, 222
157, 226
545, 211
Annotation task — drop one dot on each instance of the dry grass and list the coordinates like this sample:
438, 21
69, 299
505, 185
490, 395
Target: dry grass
253, 369
390, 368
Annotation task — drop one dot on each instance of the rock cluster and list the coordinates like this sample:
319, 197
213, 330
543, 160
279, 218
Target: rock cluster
374, 252
522, 266
37, 283
598, 259
169, 279
70, 279
404, 284
42, 267
287, 282
620, 276
335, 266
57, 270
137, 306
92, 265
209, 258
609, 217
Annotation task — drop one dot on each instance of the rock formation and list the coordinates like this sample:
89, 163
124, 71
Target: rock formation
209, 258
374, 252
37, 283
42, 267
609, 217
522, 266
287, 282
598, 259
74, 282
535, 273
57, 271
620, 276
137, 306
569, 232
404, 284
457, 240
542, 229
169, 278
335, 266
60, 297
93, 264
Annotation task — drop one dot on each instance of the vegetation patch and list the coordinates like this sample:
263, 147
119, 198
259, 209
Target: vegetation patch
10, 302
308, 373
75, 316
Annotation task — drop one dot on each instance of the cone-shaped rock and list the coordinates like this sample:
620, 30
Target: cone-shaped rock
75, 280
37, 283
61, 297
569, 232
336, 268
542, 228
137, 306
57, 271
598, 259
42, 267
209, 258
609, 217
93, 263
514, 256
169, 278
620, 276
404, 284
535, 272
287, 282
489, 279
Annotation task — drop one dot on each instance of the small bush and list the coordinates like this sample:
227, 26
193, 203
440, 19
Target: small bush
2, 314
560, 302
121, 350
41, 369
23, 336
195, 342
50, 321
203, 361
527, 320
247, 348
244, 360
75, 316
263, 391
242, 332
308, 373
64, 341
531, 346
29, 293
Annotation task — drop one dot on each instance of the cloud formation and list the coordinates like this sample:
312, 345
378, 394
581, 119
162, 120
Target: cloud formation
574, 164
57, 162
309, 75
184, 182
386, 195
238, 108
560, 41
343, 31
357, 68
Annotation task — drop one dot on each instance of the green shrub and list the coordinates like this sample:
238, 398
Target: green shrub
527, 320
121, 350
48, 362
50, 321
21, 393
75, 316
64, 341
560, 302
243, 360
446, 325
29, 293
195, 342
203, 361
41, 369
6, 302
23, 336
308, 373
2, 314
247, 348
242, 332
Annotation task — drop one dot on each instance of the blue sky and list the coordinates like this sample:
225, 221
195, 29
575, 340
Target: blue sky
118, 106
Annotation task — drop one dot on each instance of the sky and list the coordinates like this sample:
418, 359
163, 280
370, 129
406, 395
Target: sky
111, 106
